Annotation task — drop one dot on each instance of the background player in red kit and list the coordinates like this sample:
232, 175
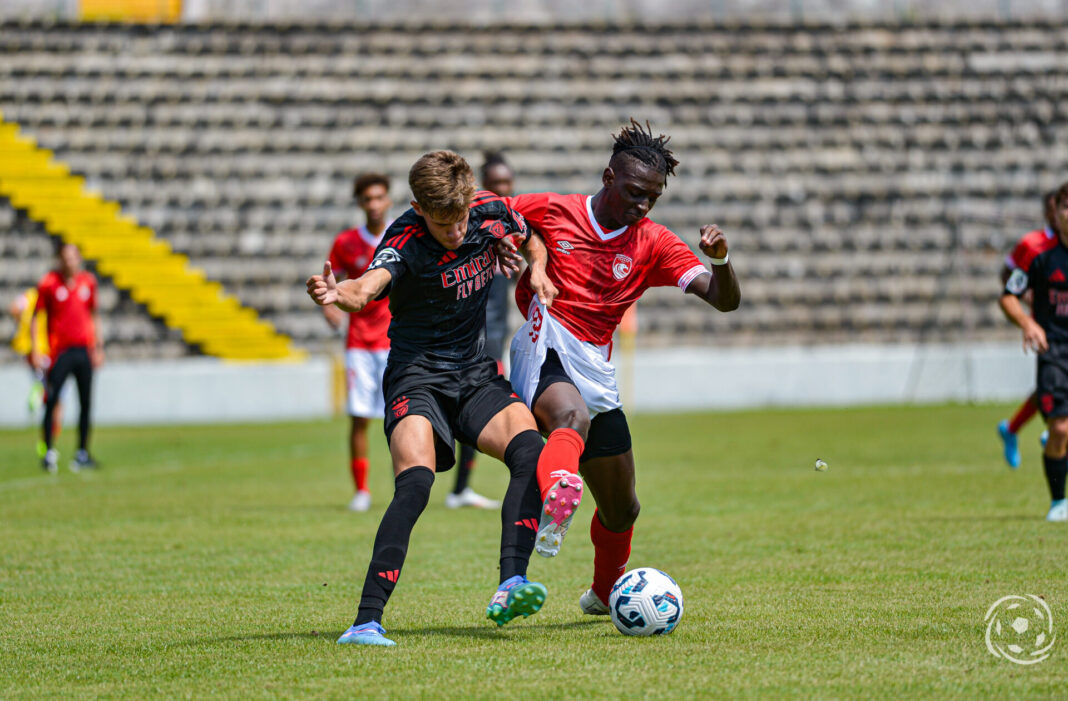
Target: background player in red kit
367, 342
68, 296
603, 253
1046, 333
1020, 258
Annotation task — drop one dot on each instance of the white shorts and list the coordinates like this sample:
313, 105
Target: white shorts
585, 363
363, 379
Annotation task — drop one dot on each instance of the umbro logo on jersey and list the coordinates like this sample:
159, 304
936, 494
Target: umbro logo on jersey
621, 266
564, 247
1057, 276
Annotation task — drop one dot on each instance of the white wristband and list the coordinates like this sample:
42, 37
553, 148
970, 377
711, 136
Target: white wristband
720, 261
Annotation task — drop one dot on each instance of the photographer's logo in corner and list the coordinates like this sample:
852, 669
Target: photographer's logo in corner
1020, 629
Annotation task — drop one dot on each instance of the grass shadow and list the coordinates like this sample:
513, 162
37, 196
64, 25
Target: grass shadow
474, 631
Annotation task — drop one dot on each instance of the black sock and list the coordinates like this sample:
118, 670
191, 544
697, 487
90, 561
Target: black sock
463, 468
391, 543
1055, 475
522, 503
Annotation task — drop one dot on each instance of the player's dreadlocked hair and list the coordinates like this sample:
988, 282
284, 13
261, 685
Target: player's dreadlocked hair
641, 144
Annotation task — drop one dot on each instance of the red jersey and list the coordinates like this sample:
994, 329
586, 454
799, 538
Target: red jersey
70, 308
599, 274
1032, 243
352, 253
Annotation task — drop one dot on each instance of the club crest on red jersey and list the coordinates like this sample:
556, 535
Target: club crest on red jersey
621, 266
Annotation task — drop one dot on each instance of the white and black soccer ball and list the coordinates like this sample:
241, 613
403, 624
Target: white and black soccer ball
645, 601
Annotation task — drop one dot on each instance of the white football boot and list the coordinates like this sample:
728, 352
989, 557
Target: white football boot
361, 501
1058, 511
592, 605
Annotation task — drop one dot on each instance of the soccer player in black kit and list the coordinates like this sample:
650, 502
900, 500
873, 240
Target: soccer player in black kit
436, 262
1047, 335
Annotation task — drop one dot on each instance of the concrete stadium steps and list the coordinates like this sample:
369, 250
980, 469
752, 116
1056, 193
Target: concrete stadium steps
131, 256
853, 166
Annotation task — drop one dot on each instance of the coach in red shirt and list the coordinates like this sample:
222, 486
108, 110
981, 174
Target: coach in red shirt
68, 296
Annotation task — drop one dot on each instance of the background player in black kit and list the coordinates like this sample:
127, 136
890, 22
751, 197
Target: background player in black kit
498, 178
1047, 334
436, 262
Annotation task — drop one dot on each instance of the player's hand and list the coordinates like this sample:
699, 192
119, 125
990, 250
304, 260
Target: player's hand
37, 360
508, 257
323, 288
543, 286
713, 241
1034, 338
96, 357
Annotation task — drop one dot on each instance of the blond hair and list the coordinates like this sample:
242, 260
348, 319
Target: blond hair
443, 184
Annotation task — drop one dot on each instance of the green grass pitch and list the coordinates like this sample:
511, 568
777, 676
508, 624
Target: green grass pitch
220, 562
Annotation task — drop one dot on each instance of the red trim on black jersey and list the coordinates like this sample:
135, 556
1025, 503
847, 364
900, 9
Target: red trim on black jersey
484, 196
447, 258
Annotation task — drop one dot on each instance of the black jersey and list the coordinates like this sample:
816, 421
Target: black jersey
1048, 278
438, 297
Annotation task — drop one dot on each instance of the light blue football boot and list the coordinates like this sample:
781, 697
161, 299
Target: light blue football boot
1009, 444
366, 634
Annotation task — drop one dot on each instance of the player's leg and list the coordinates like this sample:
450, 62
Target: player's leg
1008, 428
83, 376
359, 465
512, 437
608, 471
561, 412
363, 376
57, 375
1056, 467
413, 449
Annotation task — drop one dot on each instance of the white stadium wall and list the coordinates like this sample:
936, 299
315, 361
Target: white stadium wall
200, 390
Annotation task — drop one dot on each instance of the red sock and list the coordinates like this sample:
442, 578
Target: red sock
1023, 414
610, 554
561, 452
359, 473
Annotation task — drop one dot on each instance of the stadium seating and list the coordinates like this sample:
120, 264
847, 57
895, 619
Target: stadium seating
869, 177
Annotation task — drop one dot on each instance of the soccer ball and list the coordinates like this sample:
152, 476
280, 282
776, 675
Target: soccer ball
645, 601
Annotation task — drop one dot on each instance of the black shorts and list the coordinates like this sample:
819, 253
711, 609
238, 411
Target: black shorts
609, 434
458, 403
1052, 393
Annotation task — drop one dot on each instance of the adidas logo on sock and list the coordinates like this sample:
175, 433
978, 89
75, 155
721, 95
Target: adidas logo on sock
390, 575
529, 523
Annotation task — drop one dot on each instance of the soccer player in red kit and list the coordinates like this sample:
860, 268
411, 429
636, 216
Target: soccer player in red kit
1032, 244
603, 254
68, 296
367, 342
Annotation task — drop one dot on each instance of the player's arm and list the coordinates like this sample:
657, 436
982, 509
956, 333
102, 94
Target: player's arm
334, 316
1034, 336
349, 295
96, 356
720, 288
537, 255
